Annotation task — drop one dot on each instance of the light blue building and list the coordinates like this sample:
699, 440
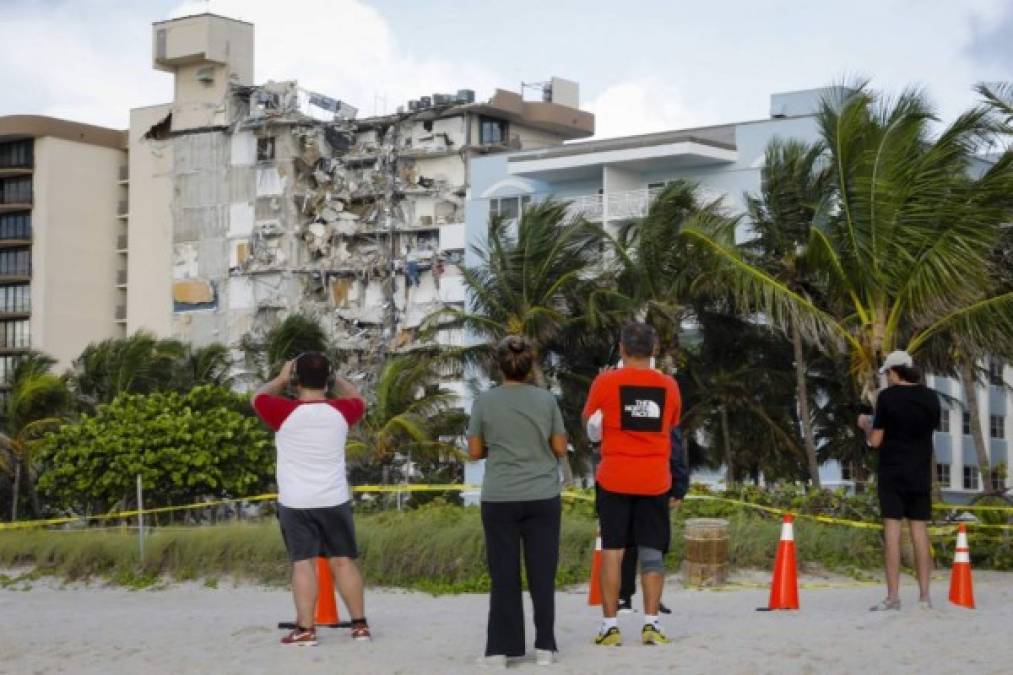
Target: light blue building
614, 180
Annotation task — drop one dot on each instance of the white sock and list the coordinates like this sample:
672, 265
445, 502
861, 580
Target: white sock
652, 619
609, 622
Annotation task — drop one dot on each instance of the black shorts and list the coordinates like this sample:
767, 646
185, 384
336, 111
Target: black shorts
327, 532
900, 498
633, 520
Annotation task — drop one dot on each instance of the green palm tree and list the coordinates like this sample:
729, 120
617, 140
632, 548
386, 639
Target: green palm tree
738, 393
137, 364
794, 186
211, 364
38, 402
655, 274
524, 278
294, 335
903, 247
409, 416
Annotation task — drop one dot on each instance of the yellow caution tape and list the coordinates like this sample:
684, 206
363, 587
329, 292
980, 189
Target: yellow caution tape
457, 487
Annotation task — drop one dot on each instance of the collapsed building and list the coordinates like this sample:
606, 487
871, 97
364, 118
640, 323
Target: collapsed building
279, 200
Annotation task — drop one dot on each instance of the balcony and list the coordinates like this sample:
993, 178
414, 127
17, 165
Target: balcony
123, 208
121, 277
121, 312
121, 242
124, 174
614, 205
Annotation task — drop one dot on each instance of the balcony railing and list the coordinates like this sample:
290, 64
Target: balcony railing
121, 242
123, 208
614, 205
121, 312
124, 173
121, 277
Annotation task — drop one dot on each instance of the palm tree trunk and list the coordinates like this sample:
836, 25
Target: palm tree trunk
15, 489
970, 381
729, 460
802, 389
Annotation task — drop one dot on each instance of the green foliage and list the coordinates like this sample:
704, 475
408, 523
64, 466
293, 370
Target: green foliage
439, 548
138, 364
408, 414
185, 446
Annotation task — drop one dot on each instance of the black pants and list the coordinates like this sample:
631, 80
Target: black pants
507, 525
628, 583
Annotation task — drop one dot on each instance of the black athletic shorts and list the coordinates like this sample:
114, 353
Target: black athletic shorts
327, 532
633, 520
900, 497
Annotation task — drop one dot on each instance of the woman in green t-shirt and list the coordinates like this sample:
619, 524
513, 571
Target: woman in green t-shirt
518, 429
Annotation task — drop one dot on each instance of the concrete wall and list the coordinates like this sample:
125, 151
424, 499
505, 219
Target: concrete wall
74, 257
149, 229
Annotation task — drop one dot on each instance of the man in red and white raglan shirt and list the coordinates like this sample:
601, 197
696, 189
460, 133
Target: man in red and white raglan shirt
314, 503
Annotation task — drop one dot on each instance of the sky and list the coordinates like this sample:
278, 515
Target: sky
642, 66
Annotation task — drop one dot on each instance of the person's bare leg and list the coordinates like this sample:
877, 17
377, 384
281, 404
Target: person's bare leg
652, 584
348, 581
923, 556
304, 591
611, 565
891, 544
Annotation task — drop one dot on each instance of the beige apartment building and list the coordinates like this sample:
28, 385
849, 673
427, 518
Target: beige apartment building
62, 242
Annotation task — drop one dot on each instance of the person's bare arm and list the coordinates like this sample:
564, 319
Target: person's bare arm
476, 449
876, 438
345, 389
558, 444
275, 387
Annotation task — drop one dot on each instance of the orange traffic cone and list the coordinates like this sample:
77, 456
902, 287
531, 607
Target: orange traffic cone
784, 586
327, 606
594, 588
961, 589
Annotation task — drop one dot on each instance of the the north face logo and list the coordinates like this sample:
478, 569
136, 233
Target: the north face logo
645, 408
642, 408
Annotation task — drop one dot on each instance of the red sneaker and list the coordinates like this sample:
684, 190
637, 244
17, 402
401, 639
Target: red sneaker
301, 637
360, 631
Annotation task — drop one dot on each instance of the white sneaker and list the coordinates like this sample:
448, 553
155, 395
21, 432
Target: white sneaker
494, 661
543, 657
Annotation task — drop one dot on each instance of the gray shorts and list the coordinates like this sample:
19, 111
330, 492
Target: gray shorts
327, 532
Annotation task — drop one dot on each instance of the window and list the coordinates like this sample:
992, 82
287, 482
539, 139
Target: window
997, 426
970, 478
846, 472
943, 474
16, 262
16, 154
7, 366
265, 149
966, 424
998, 480
14, 334
995, 373
510, 208
17, 190
492, 131
427, 125
944, 421
16, 225
15, 299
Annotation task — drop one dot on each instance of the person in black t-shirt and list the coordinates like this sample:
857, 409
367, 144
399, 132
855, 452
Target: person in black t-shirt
907, 413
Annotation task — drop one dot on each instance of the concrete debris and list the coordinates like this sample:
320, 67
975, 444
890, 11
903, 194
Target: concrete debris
299, 207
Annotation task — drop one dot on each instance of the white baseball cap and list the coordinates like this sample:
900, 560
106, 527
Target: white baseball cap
897, 358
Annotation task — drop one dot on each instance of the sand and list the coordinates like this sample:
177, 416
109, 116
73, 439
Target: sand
189, 628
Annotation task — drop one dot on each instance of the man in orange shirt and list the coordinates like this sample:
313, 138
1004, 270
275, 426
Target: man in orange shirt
639, 407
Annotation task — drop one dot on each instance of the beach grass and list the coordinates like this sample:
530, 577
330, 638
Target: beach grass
438, 549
